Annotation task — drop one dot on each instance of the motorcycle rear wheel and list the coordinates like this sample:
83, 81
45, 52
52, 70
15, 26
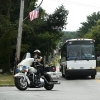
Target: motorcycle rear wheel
21, 84
49, 79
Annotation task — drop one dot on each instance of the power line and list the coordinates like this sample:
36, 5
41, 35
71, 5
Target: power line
81, 4
77, 3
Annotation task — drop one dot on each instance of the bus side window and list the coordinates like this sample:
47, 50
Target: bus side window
63, 53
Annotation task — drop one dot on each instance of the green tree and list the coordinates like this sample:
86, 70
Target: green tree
91, 21
94, 33
5, 7
7, 38
58, 19
68, 35
41, 33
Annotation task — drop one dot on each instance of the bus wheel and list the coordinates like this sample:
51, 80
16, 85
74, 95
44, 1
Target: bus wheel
93, 76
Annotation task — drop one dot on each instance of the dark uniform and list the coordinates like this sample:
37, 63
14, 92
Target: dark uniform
38, 63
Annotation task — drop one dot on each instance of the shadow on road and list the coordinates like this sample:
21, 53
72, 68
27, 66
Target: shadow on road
40, 90
78, 78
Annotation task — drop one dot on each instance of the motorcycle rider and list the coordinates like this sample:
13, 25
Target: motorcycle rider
38, 63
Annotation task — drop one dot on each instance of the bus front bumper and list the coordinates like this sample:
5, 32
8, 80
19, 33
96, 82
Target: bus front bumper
83, 72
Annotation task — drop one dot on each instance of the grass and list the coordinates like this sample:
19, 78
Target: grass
6, 80
98, 69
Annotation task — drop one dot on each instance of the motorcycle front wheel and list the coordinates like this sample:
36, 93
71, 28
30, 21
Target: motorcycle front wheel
20, 83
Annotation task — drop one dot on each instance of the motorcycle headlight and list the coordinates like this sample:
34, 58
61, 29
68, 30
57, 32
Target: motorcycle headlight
92, 67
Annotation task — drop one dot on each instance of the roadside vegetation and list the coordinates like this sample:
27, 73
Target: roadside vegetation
6, 80
55, 61
98, 69
42, 33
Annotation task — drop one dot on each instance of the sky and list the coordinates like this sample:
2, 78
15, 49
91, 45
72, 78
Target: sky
78, 10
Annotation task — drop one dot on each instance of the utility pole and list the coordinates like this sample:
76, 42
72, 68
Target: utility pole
18, 47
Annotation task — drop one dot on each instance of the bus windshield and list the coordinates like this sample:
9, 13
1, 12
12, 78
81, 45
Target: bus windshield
80, 52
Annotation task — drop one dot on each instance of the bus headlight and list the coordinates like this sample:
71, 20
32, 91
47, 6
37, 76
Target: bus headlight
92, 67
70, 68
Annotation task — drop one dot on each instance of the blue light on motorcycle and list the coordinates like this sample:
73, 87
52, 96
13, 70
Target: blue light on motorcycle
16, 70
24, 67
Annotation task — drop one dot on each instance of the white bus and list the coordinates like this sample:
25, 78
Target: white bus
78, 58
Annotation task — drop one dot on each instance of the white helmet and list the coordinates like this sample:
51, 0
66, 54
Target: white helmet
37, 51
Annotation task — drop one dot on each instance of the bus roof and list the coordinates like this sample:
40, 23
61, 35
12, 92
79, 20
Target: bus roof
78, 39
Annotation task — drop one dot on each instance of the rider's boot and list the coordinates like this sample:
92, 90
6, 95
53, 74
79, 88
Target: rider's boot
39, 78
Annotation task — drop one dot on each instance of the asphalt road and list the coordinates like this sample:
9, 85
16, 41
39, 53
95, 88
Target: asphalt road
79, 88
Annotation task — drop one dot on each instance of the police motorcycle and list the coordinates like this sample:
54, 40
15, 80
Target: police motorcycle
26, 77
